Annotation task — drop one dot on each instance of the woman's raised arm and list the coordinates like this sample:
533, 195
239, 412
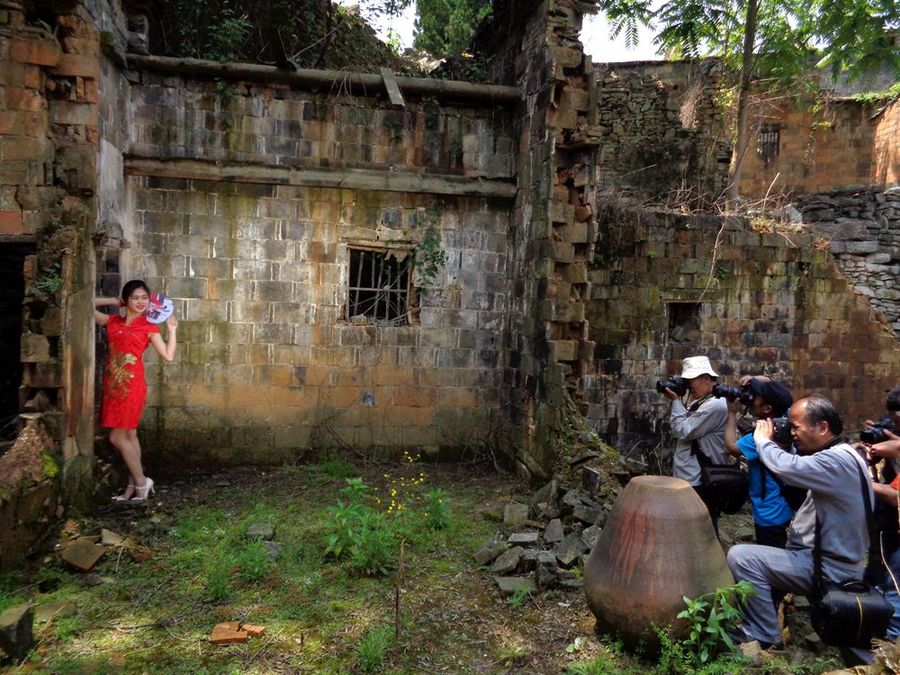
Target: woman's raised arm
102, 318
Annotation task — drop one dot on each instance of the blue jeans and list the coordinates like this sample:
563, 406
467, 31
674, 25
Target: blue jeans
890, 592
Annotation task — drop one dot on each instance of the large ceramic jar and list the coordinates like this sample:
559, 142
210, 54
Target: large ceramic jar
657, 546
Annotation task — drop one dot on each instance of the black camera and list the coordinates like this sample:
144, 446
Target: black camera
781, 431
733, 393
677, 384
876, 434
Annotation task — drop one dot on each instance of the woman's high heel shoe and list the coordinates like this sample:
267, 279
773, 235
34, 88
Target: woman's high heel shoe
142, 492
122, 497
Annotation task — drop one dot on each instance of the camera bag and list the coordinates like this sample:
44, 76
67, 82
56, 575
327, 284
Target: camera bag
727, 484
852, 612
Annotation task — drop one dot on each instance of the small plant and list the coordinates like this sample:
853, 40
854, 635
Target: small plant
253, 561
218, 580
337, 468
518, 598
52, 281
436, 515
576, 645
711, 616
372, 649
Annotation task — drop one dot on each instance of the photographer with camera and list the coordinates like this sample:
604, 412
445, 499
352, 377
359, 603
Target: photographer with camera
698, 423
762, 398
881, 441
833, 520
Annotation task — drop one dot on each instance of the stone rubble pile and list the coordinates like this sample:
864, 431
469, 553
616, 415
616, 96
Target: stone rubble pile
549, 536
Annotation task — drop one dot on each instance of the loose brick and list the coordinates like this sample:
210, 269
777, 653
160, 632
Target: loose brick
11, 222
253, 630
228, 633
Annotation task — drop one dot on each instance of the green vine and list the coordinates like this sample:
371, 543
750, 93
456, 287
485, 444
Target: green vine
52, 281
430, 257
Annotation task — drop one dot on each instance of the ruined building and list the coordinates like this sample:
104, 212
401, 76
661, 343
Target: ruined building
382, 263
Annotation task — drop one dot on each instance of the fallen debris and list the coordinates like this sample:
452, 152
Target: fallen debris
83, 554
234, 632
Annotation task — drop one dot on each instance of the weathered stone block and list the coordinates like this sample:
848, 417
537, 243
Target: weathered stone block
35, 348
16, 631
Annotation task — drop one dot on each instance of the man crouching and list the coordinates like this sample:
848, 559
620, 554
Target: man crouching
830, 470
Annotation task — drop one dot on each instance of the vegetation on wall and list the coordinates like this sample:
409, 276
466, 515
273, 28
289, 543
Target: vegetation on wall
311, 34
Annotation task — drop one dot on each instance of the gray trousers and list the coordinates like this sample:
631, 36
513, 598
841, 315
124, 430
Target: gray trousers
766, 568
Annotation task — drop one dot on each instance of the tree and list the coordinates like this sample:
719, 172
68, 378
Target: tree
781, 40
445, 28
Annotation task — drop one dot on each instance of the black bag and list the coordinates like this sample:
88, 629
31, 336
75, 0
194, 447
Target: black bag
726, 484
851, 613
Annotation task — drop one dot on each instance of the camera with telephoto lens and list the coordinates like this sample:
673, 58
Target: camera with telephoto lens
876, 434
677, 384
733, 393
781, 431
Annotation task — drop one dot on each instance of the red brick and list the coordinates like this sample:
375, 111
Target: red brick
227, 633
11, 222
37, 52
19, 98
11, 122
253, 630
78, 65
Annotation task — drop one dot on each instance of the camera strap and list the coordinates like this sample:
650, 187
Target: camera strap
818, 580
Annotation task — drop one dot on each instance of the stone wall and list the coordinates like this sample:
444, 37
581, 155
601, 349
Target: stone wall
817, 151
668, 286
863, 227
255, 252
886, 146
661, 129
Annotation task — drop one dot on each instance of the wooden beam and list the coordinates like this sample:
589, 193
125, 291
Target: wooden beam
390, 84
355, 179
359, 84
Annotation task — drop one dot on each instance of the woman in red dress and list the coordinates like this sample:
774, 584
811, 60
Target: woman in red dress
124, 386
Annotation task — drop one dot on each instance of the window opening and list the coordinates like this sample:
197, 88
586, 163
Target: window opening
684, 321
379, 287
767, 142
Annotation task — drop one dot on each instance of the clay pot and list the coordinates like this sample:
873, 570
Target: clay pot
657, 546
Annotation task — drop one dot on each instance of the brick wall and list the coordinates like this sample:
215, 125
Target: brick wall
269, 364
661, 128
886, 145
817, 152
766, 304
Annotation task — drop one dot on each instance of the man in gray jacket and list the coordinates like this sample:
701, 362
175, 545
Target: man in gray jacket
830, 470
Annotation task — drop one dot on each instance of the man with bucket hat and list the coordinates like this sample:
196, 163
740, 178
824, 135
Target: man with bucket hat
698, 424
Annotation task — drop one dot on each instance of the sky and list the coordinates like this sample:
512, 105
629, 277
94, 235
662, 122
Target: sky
594, 36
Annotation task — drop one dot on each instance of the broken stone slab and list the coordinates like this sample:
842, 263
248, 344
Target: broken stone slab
554, 532
548, 495
489, 551
529, 559
590, 479
16, 631
584, 457
262, 531
511, 585
569, 549
253, 630
228, 633
571, 584
273, 548
110, 538
545, 572
54, 610
508, 560
83, 554
523, 538
589, 536
515, 514
586, 514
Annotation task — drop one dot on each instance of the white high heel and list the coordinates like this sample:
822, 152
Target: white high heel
143, 492
122, 497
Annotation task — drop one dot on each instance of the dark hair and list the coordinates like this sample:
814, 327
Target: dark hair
131, 287
820, 409
893, 399
775, 394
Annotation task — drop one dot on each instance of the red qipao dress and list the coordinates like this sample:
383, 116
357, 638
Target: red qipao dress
124, 385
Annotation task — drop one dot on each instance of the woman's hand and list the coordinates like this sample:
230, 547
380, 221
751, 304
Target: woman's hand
172, 323
889, 448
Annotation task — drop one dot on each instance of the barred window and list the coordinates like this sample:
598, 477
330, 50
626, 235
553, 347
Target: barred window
380, 282
767, 143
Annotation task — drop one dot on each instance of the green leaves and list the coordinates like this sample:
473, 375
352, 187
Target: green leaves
712, 616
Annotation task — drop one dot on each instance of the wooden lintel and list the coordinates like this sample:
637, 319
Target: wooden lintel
355, 179
393, 90
358, 84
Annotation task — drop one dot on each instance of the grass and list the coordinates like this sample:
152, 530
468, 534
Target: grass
320, 614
